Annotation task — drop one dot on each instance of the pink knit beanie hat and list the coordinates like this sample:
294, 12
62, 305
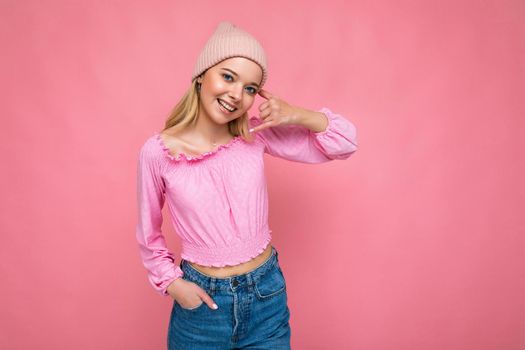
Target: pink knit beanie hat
230, 41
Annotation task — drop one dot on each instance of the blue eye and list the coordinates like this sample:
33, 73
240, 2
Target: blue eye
254, 91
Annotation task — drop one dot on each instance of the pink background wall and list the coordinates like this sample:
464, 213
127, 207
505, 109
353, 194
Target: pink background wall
415, 242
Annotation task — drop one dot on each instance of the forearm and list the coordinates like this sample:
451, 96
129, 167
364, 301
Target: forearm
313, 120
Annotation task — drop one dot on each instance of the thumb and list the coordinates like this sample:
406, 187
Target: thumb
208, 300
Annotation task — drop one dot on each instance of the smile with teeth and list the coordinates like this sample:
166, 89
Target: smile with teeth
226, 106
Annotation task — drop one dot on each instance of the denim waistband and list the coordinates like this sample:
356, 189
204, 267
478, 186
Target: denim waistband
232, 283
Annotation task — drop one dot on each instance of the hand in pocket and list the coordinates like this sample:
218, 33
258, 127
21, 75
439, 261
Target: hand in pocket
189, 295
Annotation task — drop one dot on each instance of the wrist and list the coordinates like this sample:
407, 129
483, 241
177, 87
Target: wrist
313, 120
173, 284
299, 115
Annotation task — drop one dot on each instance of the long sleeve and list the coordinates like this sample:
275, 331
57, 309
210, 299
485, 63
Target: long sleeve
300, 144
156, 258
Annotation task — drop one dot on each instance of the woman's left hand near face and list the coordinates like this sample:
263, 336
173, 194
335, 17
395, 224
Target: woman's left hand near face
275, 111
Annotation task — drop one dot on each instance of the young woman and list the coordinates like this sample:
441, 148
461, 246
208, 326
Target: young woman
228, 291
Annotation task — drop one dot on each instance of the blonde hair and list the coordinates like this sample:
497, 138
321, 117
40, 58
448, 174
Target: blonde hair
186, 111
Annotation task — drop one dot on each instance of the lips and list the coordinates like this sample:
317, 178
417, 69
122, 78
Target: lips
228, 104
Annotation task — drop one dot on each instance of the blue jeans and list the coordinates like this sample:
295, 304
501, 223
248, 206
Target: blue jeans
253, 311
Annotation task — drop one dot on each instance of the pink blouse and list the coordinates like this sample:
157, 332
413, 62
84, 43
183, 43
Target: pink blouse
218, 201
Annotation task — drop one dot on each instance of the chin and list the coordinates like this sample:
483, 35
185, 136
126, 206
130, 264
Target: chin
219, 118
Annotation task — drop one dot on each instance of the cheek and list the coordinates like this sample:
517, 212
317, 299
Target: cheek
249, 101
216, 86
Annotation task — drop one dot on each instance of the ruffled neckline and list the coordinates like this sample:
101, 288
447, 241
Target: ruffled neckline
189, 157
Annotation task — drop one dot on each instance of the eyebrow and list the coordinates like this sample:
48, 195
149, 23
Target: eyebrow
253, 83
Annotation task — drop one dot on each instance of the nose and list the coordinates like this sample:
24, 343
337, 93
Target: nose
236, 92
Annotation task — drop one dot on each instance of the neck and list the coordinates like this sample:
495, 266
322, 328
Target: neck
209, 131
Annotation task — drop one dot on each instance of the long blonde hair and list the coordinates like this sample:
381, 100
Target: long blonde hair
186, 111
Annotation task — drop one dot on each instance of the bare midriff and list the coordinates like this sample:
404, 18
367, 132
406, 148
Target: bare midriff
228, 271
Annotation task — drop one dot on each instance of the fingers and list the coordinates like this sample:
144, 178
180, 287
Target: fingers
265, 94
265, 125
208, 300
194, 289
270, 111
266, 112
267, 117
264, 105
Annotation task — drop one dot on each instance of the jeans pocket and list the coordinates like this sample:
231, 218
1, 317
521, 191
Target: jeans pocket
270, 284
192, 308
189, 279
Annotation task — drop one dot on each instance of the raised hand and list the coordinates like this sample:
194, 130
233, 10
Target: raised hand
275, 111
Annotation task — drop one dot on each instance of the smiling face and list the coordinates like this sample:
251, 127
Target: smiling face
230, 84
